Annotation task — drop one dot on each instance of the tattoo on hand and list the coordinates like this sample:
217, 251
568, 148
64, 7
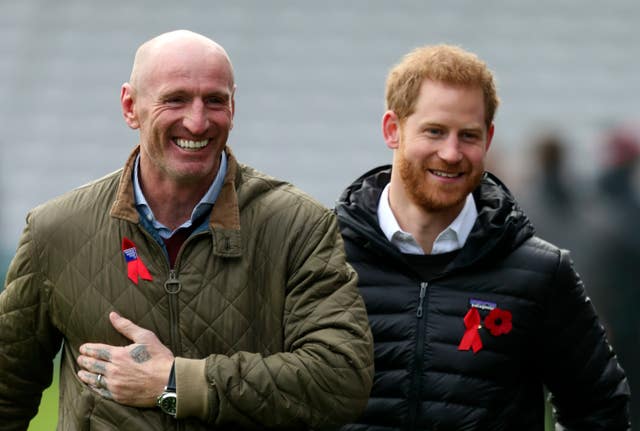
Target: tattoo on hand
103, 354
106, 393
140, 354
100, 367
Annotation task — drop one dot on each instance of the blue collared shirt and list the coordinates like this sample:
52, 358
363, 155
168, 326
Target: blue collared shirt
450, 239
202, 209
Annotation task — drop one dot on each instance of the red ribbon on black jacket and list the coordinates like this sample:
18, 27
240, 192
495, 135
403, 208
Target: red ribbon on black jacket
471, 338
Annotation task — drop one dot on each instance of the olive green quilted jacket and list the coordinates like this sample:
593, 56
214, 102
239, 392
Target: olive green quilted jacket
267, 325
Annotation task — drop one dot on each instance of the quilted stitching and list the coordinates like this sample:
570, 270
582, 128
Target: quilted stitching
229, 306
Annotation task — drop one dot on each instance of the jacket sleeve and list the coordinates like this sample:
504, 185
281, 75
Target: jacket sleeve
324, 375
589, 388
28, 342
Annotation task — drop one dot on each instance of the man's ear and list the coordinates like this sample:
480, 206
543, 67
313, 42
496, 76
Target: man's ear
490, 133
127, 102
233, 105
391, 129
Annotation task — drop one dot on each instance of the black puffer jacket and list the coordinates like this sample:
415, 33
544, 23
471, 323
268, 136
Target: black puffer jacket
423, 381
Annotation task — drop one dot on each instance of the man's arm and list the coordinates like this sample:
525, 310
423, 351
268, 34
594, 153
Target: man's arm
28, 341
324, 375
322, 378
588, 386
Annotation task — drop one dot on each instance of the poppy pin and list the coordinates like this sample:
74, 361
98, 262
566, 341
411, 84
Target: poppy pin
498, 322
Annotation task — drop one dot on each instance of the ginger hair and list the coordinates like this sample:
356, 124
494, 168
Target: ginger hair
440, 63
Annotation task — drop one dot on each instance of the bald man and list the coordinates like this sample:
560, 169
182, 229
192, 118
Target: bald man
188, 291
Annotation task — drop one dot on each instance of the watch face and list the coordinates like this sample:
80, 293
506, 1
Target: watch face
167, 403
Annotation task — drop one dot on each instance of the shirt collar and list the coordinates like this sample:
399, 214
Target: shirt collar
203, 207
450, 239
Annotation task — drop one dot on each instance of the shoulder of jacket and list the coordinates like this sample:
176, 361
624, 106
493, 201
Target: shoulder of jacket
273, 194
541, 245
540, 255
73, 203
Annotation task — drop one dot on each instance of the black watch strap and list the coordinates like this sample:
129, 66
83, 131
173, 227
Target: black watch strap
171, 385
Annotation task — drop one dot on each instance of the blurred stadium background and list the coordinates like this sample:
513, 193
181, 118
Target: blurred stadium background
310, 79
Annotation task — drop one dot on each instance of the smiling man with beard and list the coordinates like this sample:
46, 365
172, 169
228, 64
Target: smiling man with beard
188, 290
471, 313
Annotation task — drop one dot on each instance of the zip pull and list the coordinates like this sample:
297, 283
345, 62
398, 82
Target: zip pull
423, 291
172, 285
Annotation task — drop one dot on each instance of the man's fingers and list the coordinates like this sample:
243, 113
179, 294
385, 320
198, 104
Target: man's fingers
97, 351
87, 377
105, 393
94, 380
92, 365
129, 329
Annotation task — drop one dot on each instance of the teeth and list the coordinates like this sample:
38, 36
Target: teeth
191, 145
444, 174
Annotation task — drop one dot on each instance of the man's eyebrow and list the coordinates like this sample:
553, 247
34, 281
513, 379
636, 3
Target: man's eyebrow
472, 128
432, 124
172, 93
219, 94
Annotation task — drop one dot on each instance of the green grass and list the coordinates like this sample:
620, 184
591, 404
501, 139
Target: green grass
549, 419
47, 417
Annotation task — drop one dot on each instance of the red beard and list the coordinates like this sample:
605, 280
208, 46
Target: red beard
431, 194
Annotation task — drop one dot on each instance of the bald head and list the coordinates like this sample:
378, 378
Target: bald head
172, 45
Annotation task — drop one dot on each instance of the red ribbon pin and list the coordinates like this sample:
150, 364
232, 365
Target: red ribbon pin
471, 338
135, 267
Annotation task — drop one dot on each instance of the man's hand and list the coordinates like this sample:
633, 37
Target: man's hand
133, 375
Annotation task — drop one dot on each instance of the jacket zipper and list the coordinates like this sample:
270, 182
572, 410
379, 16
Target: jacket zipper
418, 360
173, 286
423, 291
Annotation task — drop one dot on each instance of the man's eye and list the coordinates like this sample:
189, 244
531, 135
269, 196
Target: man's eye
470, 136
174, 100
433, 132
215, 101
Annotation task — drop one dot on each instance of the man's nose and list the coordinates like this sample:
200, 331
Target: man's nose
450, 150
195, 120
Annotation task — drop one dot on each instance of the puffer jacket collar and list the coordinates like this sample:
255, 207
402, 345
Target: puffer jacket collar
501, 225
224, 222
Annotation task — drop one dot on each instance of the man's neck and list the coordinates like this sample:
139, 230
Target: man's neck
423, 225
172, 203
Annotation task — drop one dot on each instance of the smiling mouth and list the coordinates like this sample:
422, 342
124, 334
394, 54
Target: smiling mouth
443, 174
187, 144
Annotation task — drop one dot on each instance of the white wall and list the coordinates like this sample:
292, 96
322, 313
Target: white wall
310, 81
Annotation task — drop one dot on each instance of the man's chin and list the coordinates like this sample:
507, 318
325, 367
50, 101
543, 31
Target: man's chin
190, 177
441, 206
443, 201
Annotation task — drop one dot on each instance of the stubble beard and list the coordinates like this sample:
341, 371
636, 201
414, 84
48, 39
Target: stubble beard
431, 196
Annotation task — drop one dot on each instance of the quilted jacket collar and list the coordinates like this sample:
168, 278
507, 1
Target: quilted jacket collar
224, 222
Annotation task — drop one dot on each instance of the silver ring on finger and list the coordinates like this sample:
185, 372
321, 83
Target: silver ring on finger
99, 381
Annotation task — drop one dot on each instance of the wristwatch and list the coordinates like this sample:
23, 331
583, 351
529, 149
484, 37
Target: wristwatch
167, 401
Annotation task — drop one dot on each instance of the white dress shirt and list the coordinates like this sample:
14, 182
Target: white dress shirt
450, 239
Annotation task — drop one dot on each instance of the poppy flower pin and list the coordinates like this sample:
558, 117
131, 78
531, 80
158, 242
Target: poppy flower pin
498, 322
